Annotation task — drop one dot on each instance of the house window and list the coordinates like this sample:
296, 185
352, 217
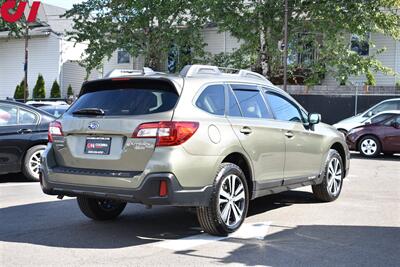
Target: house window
123, 57
360, 44
302, 50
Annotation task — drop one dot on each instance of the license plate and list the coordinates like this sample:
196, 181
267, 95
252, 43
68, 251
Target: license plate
98, 145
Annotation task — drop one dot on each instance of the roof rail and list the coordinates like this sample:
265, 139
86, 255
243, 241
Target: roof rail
125, 72
196, 70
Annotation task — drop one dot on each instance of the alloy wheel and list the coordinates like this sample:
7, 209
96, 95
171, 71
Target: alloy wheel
334, 177
34, 163
369, 147
232, 199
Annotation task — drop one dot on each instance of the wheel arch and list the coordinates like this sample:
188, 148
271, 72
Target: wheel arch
244, 164
342, 152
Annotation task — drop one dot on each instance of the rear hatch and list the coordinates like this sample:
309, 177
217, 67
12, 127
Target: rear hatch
97, 131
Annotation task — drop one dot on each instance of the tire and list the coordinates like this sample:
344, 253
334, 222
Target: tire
369, 146
31, 164
100, 209
224, 214
331, 186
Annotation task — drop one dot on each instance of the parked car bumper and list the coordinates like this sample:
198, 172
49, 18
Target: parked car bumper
148, 192
351, 142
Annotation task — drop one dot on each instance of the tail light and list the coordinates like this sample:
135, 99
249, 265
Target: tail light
168, 133
55, 129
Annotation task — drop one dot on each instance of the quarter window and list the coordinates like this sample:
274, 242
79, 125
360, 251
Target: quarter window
252, 104
283, 109
212, 100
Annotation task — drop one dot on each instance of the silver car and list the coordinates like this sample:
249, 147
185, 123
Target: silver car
347, 124
204, 139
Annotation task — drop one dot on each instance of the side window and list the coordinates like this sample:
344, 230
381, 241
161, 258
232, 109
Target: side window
252, 104
212, 100
395, 119
8, 115
234, 109
391, 105
381, 118
26, 117
283, 109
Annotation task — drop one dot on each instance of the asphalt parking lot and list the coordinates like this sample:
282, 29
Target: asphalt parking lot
289, 229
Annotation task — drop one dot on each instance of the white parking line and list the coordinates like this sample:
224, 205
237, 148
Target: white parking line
17, 184
247, 231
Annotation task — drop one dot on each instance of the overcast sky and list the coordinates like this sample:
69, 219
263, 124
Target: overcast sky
62, 3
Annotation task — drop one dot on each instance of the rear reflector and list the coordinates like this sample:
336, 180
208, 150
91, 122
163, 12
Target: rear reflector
167, 133
163, 189
55, 129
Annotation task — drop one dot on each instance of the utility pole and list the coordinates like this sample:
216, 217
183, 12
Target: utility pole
26, 60
285, 65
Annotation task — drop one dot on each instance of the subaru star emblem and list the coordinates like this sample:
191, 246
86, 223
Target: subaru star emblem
93, 125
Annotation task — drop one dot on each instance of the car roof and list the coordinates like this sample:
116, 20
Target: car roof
19, 104
392, 99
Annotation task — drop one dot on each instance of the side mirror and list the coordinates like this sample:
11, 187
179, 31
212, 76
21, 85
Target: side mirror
368, 122
370, 114
314, 118
396, 125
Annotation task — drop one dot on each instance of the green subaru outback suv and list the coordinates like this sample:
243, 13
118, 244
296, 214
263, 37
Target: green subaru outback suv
204, 139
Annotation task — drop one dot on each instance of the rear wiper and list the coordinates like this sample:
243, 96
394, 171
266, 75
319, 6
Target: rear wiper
89, 111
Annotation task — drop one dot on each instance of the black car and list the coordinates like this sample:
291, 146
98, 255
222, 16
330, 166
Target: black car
23, 138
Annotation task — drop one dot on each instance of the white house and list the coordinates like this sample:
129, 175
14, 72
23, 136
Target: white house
223, 42
50, 54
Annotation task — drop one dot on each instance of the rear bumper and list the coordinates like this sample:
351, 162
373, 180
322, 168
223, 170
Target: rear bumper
147, 193
139, 187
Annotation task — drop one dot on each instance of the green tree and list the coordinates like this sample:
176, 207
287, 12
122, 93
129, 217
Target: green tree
17, 94
39, 91
55, 90
148, 28
322, 26
70, 92
19, 91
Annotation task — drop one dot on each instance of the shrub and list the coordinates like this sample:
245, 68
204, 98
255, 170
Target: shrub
39, 91
19, 91
70, 92
55, 90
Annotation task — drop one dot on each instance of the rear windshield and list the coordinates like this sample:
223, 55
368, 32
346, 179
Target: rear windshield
119, 102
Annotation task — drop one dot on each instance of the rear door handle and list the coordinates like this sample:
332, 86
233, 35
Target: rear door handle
289, 134
24, 131
246, 130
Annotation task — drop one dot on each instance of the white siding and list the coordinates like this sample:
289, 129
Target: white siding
74, 75
44, 58
219, 42
112, 63
388, 58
